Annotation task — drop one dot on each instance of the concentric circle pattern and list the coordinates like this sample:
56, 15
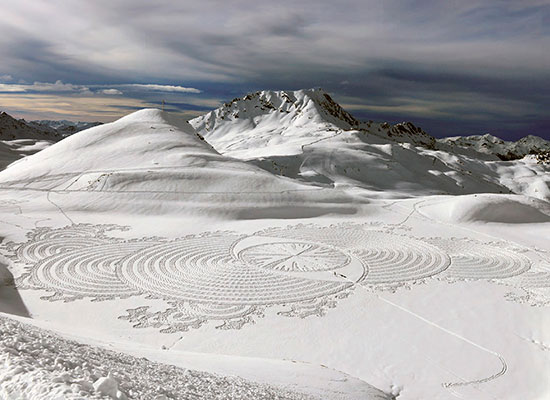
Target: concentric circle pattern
33, 252
202, 270
233, 278
87, 272
475, 260
294, 256
390, 258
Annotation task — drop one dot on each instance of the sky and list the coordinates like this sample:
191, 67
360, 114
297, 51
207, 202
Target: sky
453, 67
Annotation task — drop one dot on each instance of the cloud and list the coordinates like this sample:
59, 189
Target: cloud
11, 88
50, 106
161, 88
6, 78
61, 87
58, 86
403, 58
111, 91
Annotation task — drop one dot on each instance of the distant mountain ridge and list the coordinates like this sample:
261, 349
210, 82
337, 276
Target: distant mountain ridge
504, 150
11, 129
63, 127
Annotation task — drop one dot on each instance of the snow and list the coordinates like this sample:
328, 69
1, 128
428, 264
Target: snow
63, 127
489, 208
168, 161
39, 364
296, 254
296, 134
18, 139
495, 147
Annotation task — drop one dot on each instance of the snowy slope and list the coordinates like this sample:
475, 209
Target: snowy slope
149, 155
41, 365
140, 238
298, 135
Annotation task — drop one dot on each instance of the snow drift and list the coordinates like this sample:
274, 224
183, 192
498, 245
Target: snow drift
488, 208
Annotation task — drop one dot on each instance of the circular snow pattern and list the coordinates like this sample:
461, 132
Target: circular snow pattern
231, 278
390, 258
475, 260
202, 270
89, 271
294, 256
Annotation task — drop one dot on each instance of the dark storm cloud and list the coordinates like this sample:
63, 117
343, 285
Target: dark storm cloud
455, 66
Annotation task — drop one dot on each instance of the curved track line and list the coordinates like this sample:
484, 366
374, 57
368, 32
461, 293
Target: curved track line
59, 208
449, 332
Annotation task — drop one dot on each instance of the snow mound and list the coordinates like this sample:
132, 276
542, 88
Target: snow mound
488, 208
37, 364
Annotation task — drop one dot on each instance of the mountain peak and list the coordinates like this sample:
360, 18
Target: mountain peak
311, 104
273, 121
12, 129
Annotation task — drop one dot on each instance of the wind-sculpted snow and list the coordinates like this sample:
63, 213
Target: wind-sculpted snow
37, 364
232, 279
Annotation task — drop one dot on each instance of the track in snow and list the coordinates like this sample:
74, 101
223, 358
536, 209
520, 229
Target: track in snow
232, 278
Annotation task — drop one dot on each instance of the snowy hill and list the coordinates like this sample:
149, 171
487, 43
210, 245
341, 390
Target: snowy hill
151, 155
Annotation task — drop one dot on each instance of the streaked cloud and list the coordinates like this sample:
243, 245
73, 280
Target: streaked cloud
161, 88
57, 86
426, 53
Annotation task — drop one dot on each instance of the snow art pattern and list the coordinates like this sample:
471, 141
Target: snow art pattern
231, 279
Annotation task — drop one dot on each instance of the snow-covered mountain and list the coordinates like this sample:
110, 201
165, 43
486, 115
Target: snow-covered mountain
271, 123
305, 135
19, 139
12, 129
495, 147
63, 127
